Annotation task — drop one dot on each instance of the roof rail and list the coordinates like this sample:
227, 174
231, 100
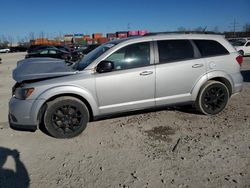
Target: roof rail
181, 32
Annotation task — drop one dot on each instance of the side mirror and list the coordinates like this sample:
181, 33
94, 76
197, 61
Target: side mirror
105, 66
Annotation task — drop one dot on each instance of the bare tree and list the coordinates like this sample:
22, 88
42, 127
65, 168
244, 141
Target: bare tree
42, 34
31, 36
246, 27
3, 38
10, 40
216, 29
199, 29
181, 29
4, 42
60, 35
26, 39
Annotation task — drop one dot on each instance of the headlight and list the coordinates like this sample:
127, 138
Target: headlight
23, 93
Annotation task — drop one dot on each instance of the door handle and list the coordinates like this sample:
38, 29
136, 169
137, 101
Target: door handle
197, 65
145, 73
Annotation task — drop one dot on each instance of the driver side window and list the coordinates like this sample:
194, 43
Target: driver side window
248, 44
131, 56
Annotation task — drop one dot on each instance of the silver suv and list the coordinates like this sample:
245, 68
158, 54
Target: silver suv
125, 75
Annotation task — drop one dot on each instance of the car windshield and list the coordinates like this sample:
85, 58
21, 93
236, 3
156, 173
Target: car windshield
93, 55
89, 58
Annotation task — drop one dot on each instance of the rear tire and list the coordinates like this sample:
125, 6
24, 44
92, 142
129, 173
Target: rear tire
213, 98
66, 117
241, 52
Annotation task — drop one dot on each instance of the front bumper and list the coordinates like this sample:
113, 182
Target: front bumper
23, 113
19, 127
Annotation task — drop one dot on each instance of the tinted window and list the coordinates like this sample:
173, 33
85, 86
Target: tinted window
174, 50
210, 48
132, 56
248, 44
44, 52
52, 52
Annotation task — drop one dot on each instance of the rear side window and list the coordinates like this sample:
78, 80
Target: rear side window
210, 48
175, 50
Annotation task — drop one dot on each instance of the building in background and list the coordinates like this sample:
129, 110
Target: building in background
97, 35
133, 33
80, 39
121, 34
111, 36
68, 39
44, 41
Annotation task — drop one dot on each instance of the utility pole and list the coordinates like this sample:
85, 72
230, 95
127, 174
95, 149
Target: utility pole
235, 25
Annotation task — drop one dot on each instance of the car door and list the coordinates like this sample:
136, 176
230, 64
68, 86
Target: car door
131, 85
177, 70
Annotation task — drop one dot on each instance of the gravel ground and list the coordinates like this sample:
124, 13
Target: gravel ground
173, 147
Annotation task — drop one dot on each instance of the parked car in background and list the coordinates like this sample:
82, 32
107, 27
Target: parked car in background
82, 51
4, 50
89, 48
233, 40
243, 47
35, 48
64, 48
50, 52
18, 49
126, 75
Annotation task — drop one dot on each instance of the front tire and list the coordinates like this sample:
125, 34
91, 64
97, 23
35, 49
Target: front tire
66, 117
213, 98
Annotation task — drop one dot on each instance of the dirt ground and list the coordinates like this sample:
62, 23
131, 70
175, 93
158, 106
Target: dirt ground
173, 147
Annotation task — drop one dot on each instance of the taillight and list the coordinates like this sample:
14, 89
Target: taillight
239, 59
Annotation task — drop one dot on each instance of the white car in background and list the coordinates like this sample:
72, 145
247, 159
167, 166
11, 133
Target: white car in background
243, 47
4, 50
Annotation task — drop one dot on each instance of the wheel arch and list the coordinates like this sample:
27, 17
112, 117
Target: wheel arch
43, 108
75, 96
219, 76
86, 97
224, 81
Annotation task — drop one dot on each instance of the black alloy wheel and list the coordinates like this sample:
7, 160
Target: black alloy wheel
213, 98
66, 117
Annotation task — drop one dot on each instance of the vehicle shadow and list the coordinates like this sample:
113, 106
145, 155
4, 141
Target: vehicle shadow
11, 178
246, 75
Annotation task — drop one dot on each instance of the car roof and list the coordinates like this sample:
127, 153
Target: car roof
169, 36
183, 36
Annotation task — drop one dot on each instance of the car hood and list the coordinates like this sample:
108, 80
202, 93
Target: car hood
40, 68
